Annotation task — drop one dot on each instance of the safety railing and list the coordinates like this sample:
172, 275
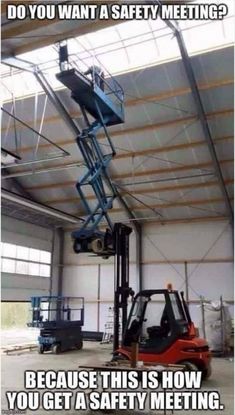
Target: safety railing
53, 308
95, 71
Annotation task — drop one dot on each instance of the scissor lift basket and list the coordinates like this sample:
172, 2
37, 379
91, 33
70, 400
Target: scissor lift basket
60, 320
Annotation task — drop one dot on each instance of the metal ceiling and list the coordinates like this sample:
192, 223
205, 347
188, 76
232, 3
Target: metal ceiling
18, 38
163, 167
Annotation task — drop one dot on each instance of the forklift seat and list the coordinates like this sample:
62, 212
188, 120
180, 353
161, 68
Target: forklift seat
157, 331
159, 339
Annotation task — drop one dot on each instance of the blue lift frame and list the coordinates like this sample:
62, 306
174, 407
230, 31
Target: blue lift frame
103, 99
106, 105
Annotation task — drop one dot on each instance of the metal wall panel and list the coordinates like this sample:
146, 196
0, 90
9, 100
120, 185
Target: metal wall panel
81, 282
181, 242
187, 242
157, 276
211, 281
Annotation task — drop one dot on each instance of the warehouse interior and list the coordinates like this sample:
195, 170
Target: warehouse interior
172, 175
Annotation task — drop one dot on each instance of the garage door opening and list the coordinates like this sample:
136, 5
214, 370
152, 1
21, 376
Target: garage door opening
14, 319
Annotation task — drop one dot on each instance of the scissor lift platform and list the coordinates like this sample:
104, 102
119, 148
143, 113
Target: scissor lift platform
90, 96
60, 320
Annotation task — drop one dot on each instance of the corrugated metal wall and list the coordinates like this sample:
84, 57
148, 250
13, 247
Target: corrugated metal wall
203, 250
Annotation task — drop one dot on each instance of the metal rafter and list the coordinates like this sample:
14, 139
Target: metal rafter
149, 190
202, 166
154, 99
34, 131
193, 204
186, 121
15, 184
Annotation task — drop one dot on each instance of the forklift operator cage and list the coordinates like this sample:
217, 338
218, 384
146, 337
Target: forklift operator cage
174, 314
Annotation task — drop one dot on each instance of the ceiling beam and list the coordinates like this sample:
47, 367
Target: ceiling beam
150, 221
198, 166
60, 34
14, 184
4, 4
168, 149
181, 203
137, 174
138, 101
63, 35
143, 191
185, 220
11, 31
150, 151
164, 124
134, 130
178, 92
173, 204
22, 29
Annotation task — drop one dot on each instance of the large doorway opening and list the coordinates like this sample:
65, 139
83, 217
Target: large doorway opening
14, 319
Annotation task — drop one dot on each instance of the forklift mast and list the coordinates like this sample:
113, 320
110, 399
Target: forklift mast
101, 101
121, 289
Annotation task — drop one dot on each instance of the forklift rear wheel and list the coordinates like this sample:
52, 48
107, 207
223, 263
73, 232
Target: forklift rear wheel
40, 349
56, 349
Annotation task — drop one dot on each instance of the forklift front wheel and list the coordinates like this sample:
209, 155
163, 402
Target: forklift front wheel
40, 349
189, 366
79, 345
56, 349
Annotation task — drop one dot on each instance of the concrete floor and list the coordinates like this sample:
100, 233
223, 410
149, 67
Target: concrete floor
13, 367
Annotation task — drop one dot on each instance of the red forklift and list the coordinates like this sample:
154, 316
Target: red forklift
159, 321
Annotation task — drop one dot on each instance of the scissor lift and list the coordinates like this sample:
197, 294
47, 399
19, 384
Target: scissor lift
101, 107
101, 100
60, 320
